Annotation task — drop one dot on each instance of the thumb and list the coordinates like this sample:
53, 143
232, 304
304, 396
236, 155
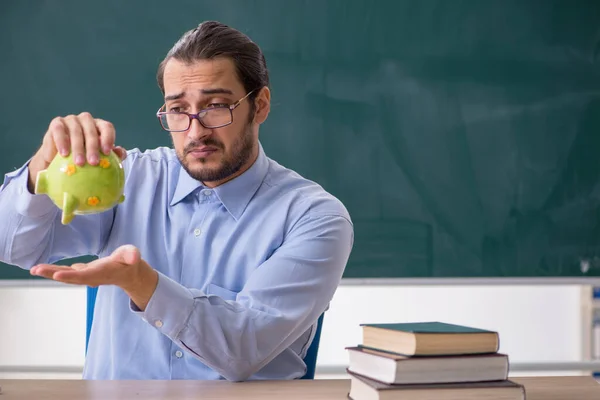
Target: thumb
127, 254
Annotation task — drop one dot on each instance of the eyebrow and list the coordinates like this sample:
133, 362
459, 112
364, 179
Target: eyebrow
216, 91
174, 96
203, 91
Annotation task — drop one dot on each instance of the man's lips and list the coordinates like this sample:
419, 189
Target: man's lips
201, 152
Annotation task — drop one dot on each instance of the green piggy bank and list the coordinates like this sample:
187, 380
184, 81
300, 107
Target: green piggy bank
86, 189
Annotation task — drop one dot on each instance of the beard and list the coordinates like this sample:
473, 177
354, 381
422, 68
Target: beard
231, 162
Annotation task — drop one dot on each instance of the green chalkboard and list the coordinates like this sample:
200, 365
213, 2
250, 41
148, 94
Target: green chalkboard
463, 136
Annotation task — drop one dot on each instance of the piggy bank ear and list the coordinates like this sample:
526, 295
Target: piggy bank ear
41, 182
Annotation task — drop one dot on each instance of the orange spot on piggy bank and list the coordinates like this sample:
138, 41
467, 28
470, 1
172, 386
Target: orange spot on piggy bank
69, 169
93, 201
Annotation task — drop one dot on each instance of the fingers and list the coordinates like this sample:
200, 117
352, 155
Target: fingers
47, 270
77, 141
117, 269
56, 139
82, 135
91, 138
100, 271
121, 152
81, 277
78, 266
91, 274
107, 135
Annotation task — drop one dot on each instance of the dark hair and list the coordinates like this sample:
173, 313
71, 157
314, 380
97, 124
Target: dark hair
213, 39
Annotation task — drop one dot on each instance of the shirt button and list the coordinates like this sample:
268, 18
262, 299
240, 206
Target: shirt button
206, 192
197, 232
158, 323
178, 354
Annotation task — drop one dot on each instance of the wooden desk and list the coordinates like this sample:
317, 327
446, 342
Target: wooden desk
546, 388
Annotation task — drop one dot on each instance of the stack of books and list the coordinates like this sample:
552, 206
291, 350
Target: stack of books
429, 360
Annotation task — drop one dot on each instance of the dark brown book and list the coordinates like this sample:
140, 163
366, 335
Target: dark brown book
363, 388
400, 369
429, 338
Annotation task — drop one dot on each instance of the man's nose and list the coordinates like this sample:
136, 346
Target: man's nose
196, 130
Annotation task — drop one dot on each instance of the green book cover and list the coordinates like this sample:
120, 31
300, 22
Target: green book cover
428, 327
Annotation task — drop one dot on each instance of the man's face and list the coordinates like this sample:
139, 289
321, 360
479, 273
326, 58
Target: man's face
215, 155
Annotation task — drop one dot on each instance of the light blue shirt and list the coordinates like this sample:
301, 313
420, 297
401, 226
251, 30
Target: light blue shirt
245, 269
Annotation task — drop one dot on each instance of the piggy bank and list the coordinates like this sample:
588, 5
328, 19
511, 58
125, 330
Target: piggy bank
86, 189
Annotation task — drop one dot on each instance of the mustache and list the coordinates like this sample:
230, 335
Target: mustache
200, 143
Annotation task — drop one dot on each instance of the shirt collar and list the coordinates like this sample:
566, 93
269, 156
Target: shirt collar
234, 194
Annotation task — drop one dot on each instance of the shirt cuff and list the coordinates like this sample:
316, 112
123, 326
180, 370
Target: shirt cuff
26, 204
169, 307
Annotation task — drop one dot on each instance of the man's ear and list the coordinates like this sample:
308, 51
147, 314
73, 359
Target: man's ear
262, 105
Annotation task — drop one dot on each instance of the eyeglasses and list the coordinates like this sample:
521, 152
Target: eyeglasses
216, 116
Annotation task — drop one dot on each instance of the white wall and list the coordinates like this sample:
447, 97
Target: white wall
536, 323
41, 328
44, 327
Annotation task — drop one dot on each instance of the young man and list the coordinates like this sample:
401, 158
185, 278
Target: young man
220, 261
